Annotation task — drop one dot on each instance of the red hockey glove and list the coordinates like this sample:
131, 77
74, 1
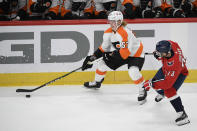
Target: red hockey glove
148, 85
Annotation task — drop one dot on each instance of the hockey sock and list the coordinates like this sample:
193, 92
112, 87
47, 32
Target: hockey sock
177, 104
99, 76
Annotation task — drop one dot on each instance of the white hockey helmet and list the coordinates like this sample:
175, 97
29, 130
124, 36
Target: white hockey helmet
115, 19
115, 16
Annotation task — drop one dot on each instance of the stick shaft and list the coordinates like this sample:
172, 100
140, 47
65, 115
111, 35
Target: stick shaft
45, 84
147, 53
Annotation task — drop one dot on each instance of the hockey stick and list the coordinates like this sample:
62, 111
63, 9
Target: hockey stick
31, 90
148, 53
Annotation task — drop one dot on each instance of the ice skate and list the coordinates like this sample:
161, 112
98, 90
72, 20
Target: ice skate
182, 119
142, 96
93, 84
159, 97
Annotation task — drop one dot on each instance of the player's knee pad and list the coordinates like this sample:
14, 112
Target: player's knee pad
169, 93
134, 73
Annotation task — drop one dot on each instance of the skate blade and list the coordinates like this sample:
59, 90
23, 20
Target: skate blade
142, 102
91, 88
183, 122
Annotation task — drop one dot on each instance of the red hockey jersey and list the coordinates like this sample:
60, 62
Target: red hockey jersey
172, 68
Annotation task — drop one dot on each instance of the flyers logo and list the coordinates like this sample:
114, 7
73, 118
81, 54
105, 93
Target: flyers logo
122, 45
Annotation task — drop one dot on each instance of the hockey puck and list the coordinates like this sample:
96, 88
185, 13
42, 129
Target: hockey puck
28, 96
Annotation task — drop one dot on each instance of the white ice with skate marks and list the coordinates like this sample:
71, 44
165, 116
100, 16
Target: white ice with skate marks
74, 108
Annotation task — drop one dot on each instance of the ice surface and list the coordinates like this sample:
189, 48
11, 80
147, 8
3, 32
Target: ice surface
74, 108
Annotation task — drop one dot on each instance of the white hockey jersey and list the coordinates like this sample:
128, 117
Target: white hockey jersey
124, 41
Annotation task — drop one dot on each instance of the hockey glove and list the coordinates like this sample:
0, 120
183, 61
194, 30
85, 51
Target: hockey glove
148, 85
157, 55
87, 62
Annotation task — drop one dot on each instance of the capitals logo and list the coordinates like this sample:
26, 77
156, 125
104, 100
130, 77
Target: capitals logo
170, 63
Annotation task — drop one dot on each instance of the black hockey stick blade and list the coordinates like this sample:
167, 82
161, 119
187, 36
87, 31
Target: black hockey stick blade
24, 90
148, 53
45, 84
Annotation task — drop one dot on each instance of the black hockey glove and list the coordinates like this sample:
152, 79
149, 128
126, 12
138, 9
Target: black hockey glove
156, 54
113, 59
87, 62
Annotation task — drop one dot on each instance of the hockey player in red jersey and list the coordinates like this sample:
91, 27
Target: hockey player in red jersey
170, 77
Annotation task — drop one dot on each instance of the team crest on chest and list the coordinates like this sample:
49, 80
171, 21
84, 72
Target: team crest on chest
170, 63
119, 45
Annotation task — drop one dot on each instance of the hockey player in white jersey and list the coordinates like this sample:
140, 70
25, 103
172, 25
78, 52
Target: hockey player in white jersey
119, 47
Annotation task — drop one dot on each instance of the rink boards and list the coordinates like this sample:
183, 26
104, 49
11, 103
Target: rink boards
34, 52
118, 77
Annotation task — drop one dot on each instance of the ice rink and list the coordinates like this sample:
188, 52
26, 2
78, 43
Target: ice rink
75, 108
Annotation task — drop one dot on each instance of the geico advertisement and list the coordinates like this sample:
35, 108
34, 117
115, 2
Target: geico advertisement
62, 48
